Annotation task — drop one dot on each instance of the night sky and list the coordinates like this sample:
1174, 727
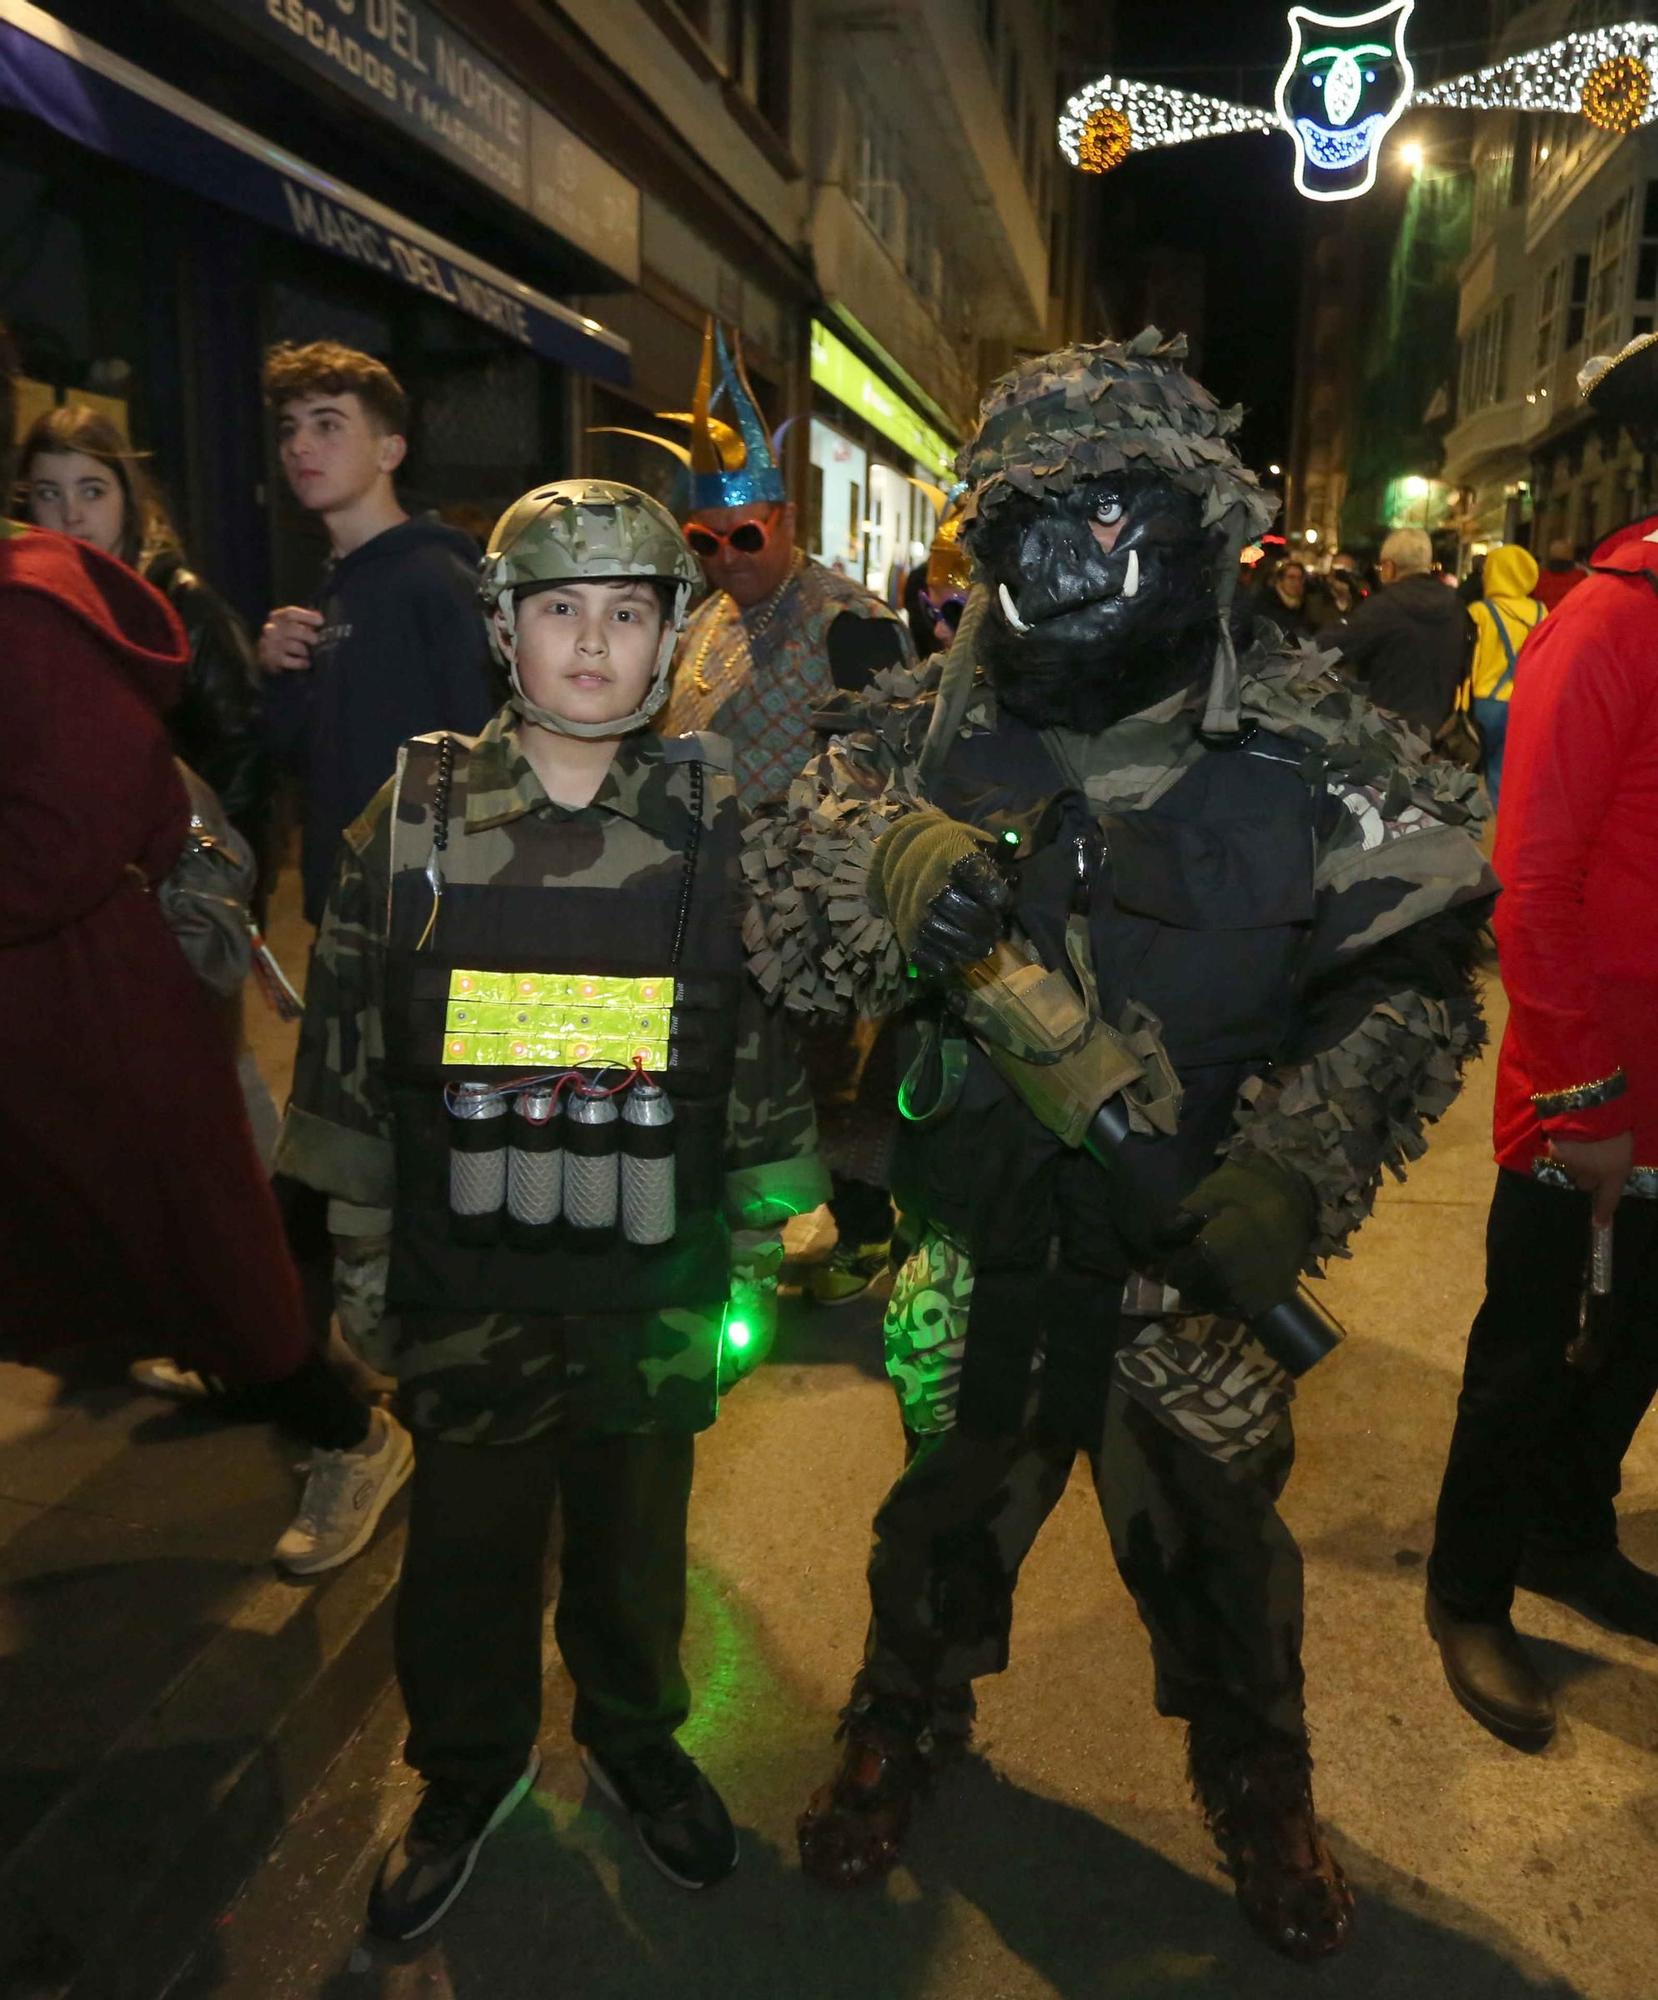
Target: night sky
1233, 200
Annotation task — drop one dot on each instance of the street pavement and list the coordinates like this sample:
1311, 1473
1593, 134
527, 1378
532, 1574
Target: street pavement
1065, 1857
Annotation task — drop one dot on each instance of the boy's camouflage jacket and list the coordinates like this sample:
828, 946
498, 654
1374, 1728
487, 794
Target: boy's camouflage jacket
508, 1377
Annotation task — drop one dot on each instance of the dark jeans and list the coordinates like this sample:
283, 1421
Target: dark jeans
470, 1607
1539, 1445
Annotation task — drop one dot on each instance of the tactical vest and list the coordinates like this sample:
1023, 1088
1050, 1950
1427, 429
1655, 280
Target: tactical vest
540, 961
1199, 908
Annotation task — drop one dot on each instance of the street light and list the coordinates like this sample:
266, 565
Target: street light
1312, 534
1277, 471
1412, 155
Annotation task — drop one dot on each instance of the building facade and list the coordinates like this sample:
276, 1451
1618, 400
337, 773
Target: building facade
1563, 265
529, 211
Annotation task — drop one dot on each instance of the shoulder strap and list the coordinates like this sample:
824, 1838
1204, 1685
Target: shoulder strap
700, 746
1507, 679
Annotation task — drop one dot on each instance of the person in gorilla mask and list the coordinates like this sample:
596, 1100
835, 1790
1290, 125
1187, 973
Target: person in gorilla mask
1262, 889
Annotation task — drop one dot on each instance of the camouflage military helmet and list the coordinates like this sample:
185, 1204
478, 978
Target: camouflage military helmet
584, 531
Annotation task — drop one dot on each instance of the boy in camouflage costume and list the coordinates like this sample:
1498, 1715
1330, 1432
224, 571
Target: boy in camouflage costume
1274, 894
566, 839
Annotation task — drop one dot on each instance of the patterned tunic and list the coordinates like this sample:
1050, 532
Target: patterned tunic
767, 676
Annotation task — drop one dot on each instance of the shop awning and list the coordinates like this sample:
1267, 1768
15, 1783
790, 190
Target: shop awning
108, 104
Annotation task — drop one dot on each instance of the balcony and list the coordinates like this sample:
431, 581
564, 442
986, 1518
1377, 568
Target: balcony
1479, 446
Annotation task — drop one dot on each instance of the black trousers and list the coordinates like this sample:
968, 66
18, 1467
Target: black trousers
1214, 1571
1538, 1447
471, 1604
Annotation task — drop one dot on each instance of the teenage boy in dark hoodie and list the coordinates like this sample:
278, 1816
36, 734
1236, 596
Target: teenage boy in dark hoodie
393, 645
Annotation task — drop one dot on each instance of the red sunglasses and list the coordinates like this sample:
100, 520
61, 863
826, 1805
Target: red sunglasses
748, 538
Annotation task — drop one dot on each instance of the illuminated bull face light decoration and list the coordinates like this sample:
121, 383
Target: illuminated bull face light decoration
1344, 85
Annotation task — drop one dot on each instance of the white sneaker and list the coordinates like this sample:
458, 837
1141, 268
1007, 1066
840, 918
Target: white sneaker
163, 1376
346, 1492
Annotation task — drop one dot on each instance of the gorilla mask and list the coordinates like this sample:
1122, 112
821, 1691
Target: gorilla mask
1104, 599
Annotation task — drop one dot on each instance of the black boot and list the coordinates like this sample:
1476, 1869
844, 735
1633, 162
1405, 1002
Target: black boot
1256, 1793
852, 1831
1601, 1584
1490, 1674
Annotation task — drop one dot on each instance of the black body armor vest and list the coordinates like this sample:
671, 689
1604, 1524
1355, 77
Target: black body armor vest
1198, 908
536, 914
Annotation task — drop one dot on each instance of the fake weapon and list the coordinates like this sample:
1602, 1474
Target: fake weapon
1072, 1072
1594, 1336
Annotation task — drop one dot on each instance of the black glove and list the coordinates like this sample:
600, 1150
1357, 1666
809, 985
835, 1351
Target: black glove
1239, 1240
964, 921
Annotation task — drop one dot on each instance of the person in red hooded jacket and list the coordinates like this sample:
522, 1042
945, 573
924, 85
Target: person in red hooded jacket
133, 1206
1535, 1459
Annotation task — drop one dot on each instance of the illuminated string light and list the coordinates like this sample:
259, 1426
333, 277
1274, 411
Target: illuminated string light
1554, 77
1155, 116
1107, 140
1607, 75
1617, 93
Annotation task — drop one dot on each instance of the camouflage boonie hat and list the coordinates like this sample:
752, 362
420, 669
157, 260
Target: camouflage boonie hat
584, 531
1108, 406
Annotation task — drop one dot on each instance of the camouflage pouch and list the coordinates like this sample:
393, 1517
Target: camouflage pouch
362, 1255
1207, 1380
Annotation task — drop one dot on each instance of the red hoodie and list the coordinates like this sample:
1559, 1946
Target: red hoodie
1577, 854
132, 1202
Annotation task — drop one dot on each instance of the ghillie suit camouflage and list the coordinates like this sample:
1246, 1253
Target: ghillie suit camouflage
1274, 894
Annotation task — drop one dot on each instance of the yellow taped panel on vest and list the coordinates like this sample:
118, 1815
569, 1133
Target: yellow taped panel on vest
556, 1020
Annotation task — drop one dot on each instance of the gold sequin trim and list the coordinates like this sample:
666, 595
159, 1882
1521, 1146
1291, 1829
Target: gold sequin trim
1580, 1096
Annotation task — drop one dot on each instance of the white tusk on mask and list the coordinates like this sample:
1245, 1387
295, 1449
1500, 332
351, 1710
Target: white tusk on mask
1010, 610
1131, 576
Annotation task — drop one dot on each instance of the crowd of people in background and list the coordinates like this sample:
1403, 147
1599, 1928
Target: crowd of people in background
1427, 644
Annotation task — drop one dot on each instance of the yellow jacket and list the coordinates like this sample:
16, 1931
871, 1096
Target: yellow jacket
1510, 577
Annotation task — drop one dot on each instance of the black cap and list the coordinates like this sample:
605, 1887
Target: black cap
1624, 386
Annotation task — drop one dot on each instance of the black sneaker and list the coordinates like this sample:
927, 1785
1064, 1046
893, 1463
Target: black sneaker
679, 1817
431, 1863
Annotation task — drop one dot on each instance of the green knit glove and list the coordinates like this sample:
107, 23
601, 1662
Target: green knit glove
912, 868
1243, 1235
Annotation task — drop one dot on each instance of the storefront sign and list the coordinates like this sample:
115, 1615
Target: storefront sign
109, 105
837, 370
405, 62
582, 196
330, 225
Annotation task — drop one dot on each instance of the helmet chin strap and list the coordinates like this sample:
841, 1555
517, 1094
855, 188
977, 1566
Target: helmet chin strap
507, 644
